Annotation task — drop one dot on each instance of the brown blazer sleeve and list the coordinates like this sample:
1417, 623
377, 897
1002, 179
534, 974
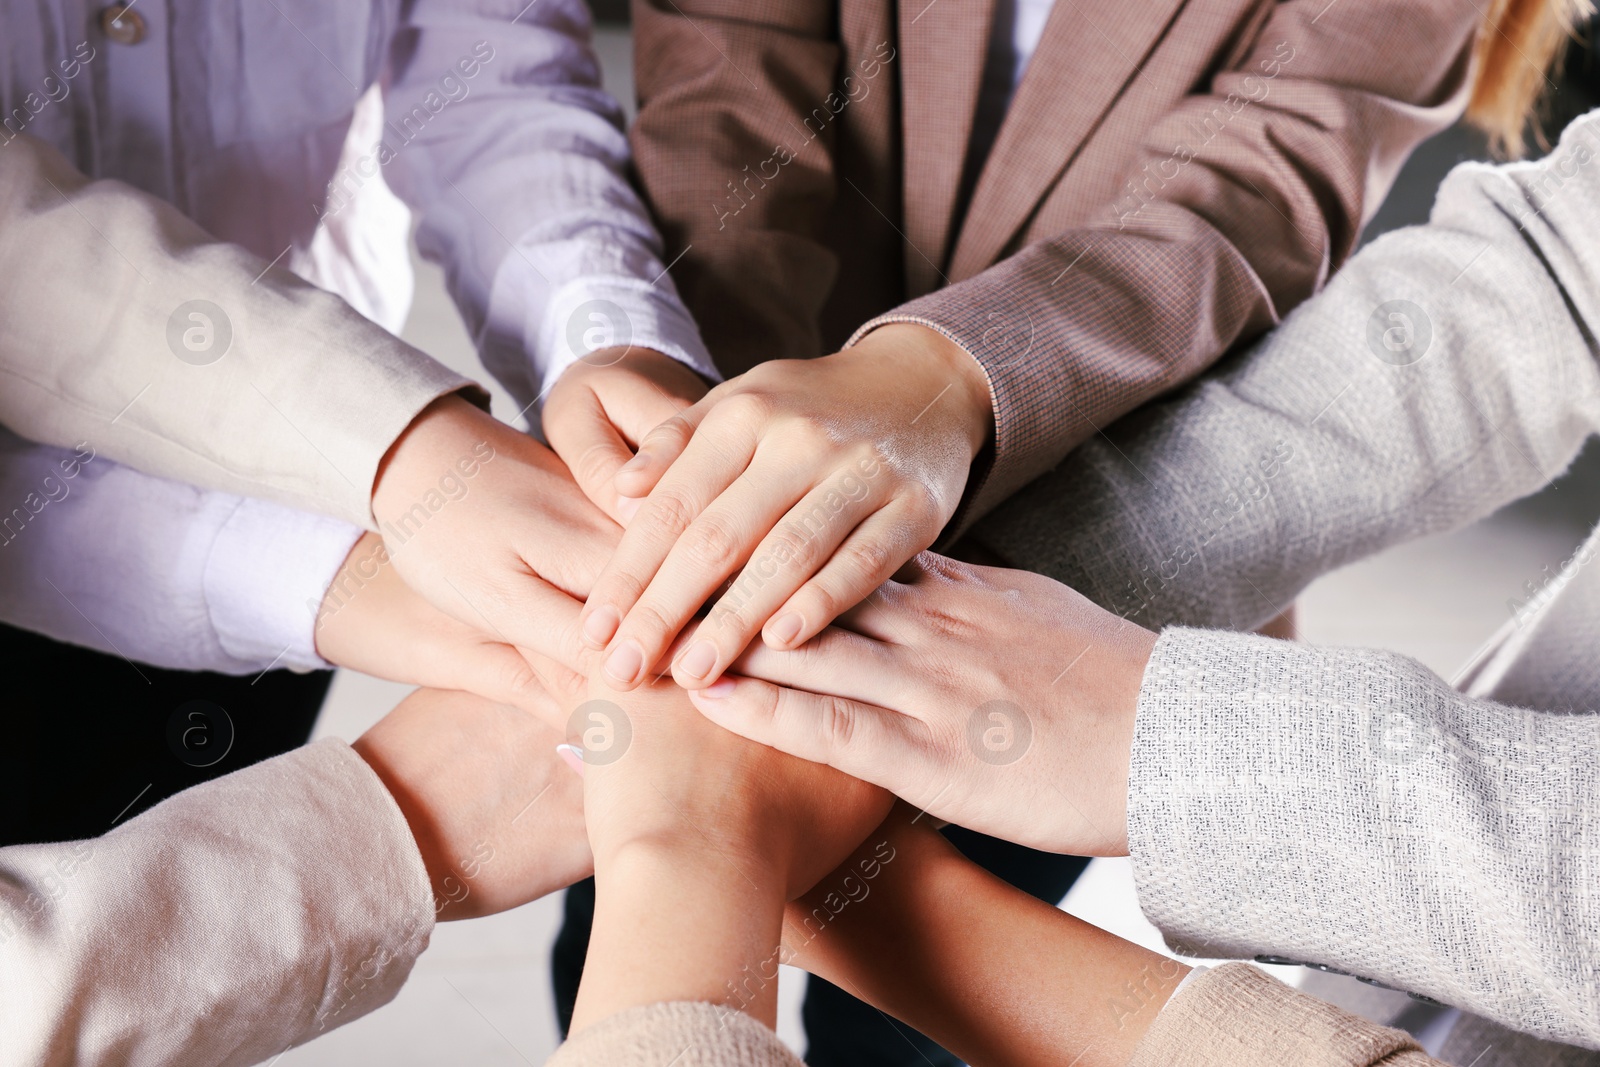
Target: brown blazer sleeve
1238, 1016
721, 84
1241, 202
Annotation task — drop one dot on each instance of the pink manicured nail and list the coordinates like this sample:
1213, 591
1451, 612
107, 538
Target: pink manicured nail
625, 662
716, 691
786, 628
572, 756
699, 659
628, 506
601, 626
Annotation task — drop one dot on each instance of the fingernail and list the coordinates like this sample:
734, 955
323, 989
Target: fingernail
786, 628
699, 659
601, 624
625, 662
716, 691
635, 464
628, 506
572, 756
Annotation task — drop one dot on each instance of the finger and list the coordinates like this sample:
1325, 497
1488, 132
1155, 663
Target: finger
863, 741
499, 673
659, 450
713, 547
592, 448
516, 607
791, 553
866, 559
706, 469
841, 663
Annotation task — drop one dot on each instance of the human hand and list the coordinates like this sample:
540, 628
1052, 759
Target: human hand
666, 780
699, 837
604, 405
997, 699
372, 621
498, 820
488, 526
818, 478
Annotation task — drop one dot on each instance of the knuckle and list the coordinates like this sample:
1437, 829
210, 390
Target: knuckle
925, 504
673, 432
595, 466
670, 512
711, 541
827, 604
870, 558
836, 724
620, 588
648, 623
750, 406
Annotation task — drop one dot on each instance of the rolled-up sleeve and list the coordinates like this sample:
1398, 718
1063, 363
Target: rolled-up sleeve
499, 134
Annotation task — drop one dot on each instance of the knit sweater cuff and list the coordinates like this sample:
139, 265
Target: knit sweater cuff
676, 1033
1237, 1016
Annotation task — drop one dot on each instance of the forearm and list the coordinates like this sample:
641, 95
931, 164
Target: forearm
256, 396
673, 925
932, 940
521, 187
1322, 445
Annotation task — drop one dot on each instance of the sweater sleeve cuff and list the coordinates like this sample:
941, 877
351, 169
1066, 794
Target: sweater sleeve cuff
265, 579
1237, 1016
676, 1034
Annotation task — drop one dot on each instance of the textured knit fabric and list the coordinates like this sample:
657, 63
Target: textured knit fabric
1236, 1016
1170, 177
241, 916
1345, 807
675, 1034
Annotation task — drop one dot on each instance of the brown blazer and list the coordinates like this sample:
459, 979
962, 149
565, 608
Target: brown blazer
1172, 177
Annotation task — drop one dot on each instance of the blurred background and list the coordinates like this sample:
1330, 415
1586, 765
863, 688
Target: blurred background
481, 993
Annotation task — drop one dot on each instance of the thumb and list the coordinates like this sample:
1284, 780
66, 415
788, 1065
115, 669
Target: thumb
862, 740
591, 446
492, 670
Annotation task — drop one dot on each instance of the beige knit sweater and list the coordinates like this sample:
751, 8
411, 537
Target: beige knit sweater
1232, 1016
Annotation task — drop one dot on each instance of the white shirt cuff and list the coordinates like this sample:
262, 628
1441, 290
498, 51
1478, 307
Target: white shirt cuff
265, 579
589, 314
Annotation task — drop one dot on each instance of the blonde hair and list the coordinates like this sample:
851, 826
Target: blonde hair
1519, 47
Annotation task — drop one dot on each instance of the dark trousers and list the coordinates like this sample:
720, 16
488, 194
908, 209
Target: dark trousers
92, 740
841, 1031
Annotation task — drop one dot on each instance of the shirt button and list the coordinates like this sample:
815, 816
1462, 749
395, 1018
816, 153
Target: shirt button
121, 24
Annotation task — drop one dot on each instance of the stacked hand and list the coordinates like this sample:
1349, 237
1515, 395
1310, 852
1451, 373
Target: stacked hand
699, 838
497, 818
997, 699
812, 481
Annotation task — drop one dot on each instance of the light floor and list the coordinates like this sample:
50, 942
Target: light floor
481, 993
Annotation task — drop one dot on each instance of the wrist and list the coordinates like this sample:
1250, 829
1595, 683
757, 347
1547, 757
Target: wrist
951, 373
425, 832
676, 925
446, 433
1124, 681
